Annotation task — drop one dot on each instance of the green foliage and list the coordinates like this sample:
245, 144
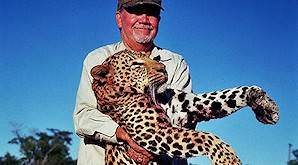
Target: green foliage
293, 162
41, 148
8, 159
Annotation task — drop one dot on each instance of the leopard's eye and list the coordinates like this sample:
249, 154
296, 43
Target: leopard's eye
137, 63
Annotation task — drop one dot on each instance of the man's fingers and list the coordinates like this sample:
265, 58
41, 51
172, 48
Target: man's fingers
123, 136
139, 149
139, 158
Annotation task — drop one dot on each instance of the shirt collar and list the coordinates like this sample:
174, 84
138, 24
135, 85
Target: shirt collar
119, 46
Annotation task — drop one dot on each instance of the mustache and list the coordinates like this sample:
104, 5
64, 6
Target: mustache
143, 26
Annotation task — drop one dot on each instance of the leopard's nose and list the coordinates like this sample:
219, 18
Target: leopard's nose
161, 69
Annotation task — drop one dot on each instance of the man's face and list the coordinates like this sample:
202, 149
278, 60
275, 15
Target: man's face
138, 24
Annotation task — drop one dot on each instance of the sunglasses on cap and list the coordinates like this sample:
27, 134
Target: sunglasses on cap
150, 10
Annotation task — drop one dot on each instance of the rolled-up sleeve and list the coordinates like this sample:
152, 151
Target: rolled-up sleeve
88, 120
181, 77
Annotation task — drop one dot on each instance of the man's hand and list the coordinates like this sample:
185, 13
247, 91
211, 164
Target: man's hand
139, 158
137, 153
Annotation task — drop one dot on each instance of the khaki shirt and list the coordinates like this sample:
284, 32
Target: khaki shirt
89, 121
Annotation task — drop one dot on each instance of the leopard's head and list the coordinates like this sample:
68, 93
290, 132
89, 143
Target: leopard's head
127, 72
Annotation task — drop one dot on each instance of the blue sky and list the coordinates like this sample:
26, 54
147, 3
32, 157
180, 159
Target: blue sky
226, 43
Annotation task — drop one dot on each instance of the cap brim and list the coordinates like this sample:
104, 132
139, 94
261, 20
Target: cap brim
141, 3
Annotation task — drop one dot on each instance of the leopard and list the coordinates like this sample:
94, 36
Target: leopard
125, 85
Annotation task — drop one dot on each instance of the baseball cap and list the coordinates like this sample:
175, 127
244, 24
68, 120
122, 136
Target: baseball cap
132, 3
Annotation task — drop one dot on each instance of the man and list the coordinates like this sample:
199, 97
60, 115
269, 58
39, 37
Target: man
138, 22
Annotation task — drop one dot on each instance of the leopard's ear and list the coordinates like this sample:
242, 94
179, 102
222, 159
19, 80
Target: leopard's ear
100, 72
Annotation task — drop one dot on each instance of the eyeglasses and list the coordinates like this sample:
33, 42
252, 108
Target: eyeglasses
150, 10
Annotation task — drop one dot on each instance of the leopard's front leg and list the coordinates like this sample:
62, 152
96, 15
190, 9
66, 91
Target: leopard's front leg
188, 108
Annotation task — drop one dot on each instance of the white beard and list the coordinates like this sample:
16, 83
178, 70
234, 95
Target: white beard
143, 39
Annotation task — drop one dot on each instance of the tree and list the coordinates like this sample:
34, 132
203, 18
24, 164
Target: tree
8, 159
293, 162
44, 148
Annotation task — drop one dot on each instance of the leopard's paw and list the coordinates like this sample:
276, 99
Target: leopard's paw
265, 109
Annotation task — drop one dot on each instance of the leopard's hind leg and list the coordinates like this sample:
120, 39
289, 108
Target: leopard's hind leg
116, 155
180, 142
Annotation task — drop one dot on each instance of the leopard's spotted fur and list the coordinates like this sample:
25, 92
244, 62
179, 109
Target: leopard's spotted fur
121, 85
